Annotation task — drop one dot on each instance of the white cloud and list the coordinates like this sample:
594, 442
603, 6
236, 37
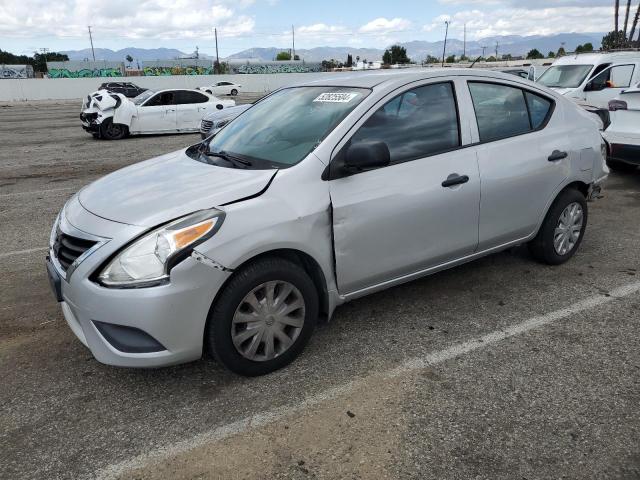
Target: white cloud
526, 21
383, 26
322, 28
124, 18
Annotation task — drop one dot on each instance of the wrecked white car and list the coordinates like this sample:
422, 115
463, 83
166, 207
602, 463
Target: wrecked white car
113, 116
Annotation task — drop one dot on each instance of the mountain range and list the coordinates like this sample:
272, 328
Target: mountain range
417, 50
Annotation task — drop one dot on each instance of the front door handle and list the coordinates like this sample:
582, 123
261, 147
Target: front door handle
455, 179
557, 155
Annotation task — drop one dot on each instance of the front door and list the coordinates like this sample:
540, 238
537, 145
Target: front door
418, 212
192, 106
158, 114
608, 84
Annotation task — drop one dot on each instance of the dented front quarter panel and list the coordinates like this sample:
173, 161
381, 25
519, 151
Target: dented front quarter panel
293, 213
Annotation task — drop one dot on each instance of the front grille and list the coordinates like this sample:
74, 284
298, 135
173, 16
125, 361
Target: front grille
206, 125
67, 248
88, 117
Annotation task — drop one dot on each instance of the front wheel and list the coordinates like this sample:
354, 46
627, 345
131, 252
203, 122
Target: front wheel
113, 131
263, 318
562, 230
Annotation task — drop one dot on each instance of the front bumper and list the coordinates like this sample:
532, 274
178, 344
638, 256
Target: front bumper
173, 315
88, 121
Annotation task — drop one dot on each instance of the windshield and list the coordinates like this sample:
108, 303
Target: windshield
565, 76
285, 127
142, 97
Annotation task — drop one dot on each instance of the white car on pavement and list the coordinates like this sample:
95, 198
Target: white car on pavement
222, 88
623, 133
114, 116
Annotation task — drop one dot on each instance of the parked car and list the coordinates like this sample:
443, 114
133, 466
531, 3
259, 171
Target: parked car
593, 78
317, 195
528, 73
214, 121
223, 88
128, 89
114, 116
623, 133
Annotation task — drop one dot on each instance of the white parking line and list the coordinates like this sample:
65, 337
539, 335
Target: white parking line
35, 192
22, 252
270, 416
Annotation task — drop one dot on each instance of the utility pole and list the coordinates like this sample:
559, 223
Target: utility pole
483, 50
91, 40
464, 43
293, 41
215, 33
446, 33
497, 50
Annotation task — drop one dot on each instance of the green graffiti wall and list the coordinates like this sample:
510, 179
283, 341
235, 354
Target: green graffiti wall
166, 71
285, 68
84, 72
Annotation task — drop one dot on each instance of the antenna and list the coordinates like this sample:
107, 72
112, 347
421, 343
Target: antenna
464, 43
93, 54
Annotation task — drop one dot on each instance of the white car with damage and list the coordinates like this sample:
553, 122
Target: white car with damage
113, 116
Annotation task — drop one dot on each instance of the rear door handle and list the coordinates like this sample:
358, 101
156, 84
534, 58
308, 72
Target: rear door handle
455, 179
557, 155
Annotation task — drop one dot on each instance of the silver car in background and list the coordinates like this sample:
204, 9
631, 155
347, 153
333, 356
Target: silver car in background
214, 121
317, 195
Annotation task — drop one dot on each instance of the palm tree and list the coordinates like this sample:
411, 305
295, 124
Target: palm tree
626, 19
635, 23
616, 14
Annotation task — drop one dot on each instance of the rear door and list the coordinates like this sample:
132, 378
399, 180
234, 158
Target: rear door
398, 220
192, 106
158, 114
523, 154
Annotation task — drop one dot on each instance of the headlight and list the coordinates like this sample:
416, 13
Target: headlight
148, 260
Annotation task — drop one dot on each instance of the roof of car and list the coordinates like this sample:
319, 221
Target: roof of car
400, 77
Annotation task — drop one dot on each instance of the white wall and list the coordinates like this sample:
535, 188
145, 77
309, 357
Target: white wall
12, 90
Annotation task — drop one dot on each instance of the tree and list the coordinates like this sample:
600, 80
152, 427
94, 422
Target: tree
587, 47
282, 56
626, 18
129, 58
534, 53
492, 59
349, 63
507, 57
551, 55
451, 59
616, 14
432, 59
561, 52
613, 40
40, 60
635, 24
395, 55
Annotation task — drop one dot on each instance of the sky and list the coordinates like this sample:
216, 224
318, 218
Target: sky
29, 25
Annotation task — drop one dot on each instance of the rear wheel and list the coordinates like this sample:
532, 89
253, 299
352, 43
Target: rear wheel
234, 92
113, 131
263, 318
562, 230
620, 166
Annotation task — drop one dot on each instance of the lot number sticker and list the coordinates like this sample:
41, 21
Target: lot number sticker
335, 97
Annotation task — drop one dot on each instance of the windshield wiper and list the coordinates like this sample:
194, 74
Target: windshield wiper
238, 162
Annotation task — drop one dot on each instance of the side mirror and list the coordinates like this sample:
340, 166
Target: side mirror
609, 84
367, 155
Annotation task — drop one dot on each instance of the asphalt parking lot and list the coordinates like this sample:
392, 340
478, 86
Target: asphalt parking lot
502, 368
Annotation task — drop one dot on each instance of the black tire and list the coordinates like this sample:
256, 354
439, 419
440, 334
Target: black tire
542, 246
113, 131
234, 92
621, 167
218, 336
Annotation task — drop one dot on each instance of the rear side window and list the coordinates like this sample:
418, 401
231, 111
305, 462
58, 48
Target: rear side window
186, 97
415, 124
503, 111
164, 98
539, 108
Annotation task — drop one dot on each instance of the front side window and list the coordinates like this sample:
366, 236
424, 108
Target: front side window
141, 98
415, 124
286, 126
565, 76
618, 76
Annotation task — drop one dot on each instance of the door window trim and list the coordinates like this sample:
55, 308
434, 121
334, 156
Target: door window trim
542, 126
336, 153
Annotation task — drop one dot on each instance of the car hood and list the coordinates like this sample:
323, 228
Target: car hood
562, 91
167, 187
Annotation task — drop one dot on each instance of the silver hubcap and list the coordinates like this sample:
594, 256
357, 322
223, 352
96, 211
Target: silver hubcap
268, 321
568, 230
